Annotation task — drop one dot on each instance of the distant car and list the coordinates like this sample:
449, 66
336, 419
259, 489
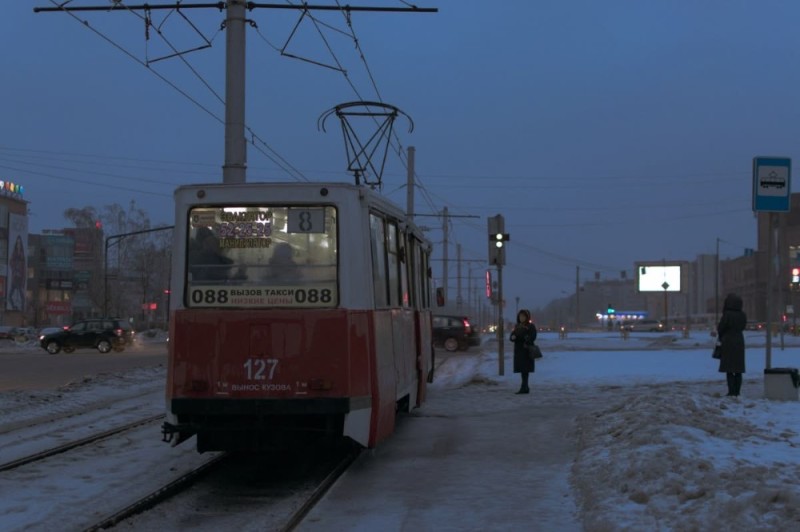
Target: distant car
643, 325
454, 333
103, 334
23, 334
6, 332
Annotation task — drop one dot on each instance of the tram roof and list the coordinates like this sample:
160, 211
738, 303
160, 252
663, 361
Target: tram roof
246, 188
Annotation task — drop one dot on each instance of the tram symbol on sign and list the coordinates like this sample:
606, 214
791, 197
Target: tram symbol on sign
772, 180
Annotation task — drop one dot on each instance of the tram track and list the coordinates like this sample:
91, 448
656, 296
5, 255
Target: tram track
247, 492
47, 453
159, 495
297, 518
91, 407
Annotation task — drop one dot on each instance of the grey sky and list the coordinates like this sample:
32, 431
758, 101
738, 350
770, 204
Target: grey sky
605, 132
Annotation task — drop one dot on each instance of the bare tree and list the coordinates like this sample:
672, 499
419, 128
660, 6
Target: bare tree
137, 266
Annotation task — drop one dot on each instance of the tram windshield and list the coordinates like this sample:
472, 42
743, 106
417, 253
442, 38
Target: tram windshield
262, 256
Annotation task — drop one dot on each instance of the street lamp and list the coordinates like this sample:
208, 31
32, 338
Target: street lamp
108, 244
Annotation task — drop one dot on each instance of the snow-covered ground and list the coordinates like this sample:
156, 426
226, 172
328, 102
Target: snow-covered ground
657, 445
661, 447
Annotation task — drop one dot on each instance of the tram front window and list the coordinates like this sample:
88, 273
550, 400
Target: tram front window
262, 256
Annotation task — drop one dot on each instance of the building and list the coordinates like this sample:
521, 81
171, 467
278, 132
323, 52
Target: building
67, 275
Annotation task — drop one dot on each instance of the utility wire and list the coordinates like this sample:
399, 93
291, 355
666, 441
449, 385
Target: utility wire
87, 182
101, 174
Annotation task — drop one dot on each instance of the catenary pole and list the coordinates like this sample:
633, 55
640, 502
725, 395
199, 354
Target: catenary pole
235, 168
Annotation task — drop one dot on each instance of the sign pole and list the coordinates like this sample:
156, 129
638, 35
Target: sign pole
770, 285
772, 185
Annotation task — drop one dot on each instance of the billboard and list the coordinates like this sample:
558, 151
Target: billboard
17, 261
658, 277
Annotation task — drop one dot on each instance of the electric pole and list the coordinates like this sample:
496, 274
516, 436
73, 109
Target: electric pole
445, 223
577, 297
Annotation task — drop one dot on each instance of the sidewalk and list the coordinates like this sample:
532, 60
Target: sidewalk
472, 458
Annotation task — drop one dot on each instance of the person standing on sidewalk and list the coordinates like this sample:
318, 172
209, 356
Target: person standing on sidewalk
730, 336
523, 336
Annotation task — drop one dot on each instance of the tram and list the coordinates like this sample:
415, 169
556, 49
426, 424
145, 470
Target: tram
301, 312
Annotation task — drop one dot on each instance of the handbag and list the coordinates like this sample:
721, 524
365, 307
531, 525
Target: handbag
717, 351
534, 351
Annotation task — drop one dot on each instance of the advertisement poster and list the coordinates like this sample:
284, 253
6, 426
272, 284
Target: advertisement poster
17, 261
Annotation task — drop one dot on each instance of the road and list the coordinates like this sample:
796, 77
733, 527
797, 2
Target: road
27, 368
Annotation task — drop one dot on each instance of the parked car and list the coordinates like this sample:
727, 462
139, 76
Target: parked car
6, 332
103, 334
23, 334
454, 333
643, 325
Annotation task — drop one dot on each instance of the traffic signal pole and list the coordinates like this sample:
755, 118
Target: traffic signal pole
497, 257
501, 335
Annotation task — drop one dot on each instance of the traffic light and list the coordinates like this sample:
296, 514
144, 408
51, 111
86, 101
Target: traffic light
497, 251
795, 278
610, 309
497, 239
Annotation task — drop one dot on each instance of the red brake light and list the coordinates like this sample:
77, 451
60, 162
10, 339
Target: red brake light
118, 332
467, 326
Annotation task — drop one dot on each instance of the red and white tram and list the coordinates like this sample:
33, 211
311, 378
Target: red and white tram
300, 311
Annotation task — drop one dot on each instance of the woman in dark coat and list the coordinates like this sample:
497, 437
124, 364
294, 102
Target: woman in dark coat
731, 337
523, 335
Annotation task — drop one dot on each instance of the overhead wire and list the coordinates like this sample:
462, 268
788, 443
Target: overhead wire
427, 195
348, 20
275, 158
86, 24
351, 34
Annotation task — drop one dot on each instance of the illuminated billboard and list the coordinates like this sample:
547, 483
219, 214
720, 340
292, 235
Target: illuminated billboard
658, 277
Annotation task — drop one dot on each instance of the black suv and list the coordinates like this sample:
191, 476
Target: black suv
454, 333
103, 334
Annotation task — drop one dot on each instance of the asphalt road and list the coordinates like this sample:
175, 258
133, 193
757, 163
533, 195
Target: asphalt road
27, 368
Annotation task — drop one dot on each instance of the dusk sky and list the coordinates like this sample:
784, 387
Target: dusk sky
605, 132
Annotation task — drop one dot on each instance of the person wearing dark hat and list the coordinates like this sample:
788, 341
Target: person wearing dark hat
207, 262
523, 336
730, 336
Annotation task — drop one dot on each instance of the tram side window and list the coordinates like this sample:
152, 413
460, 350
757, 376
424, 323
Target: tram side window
425, 279
379, 279
393, 264
416, 273
404, 269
